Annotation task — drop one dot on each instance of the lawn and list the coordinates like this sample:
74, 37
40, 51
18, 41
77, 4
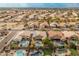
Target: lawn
47, 52
73, 52
14, 45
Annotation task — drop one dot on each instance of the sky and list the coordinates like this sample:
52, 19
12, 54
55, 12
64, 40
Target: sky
40, 5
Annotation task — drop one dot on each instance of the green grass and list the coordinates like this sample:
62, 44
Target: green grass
47, 52
73, 52
13, 45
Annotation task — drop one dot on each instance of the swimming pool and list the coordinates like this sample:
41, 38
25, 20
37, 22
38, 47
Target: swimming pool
38, 44
36, 53
20, 52
24, 43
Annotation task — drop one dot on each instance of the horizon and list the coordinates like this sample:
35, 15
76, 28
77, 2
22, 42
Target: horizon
39, 5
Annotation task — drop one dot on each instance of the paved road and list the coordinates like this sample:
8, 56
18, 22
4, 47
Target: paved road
6, 39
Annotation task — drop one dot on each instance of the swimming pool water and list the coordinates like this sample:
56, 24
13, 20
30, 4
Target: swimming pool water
20, 52
24, 43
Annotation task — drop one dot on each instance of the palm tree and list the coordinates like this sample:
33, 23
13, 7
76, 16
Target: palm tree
31, 44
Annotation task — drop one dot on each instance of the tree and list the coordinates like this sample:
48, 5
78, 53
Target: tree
48, 44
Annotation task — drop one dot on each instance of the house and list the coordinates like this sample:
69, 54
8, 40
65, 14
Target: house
54, 25
68, 34
56, 37
33, 16
33, 25
26, 34
39, 34
53, 35
44, 25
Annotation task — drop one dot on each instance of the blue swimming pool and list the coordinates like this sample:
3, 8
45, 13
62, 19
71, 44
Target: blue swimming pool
20, 53
24, 43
